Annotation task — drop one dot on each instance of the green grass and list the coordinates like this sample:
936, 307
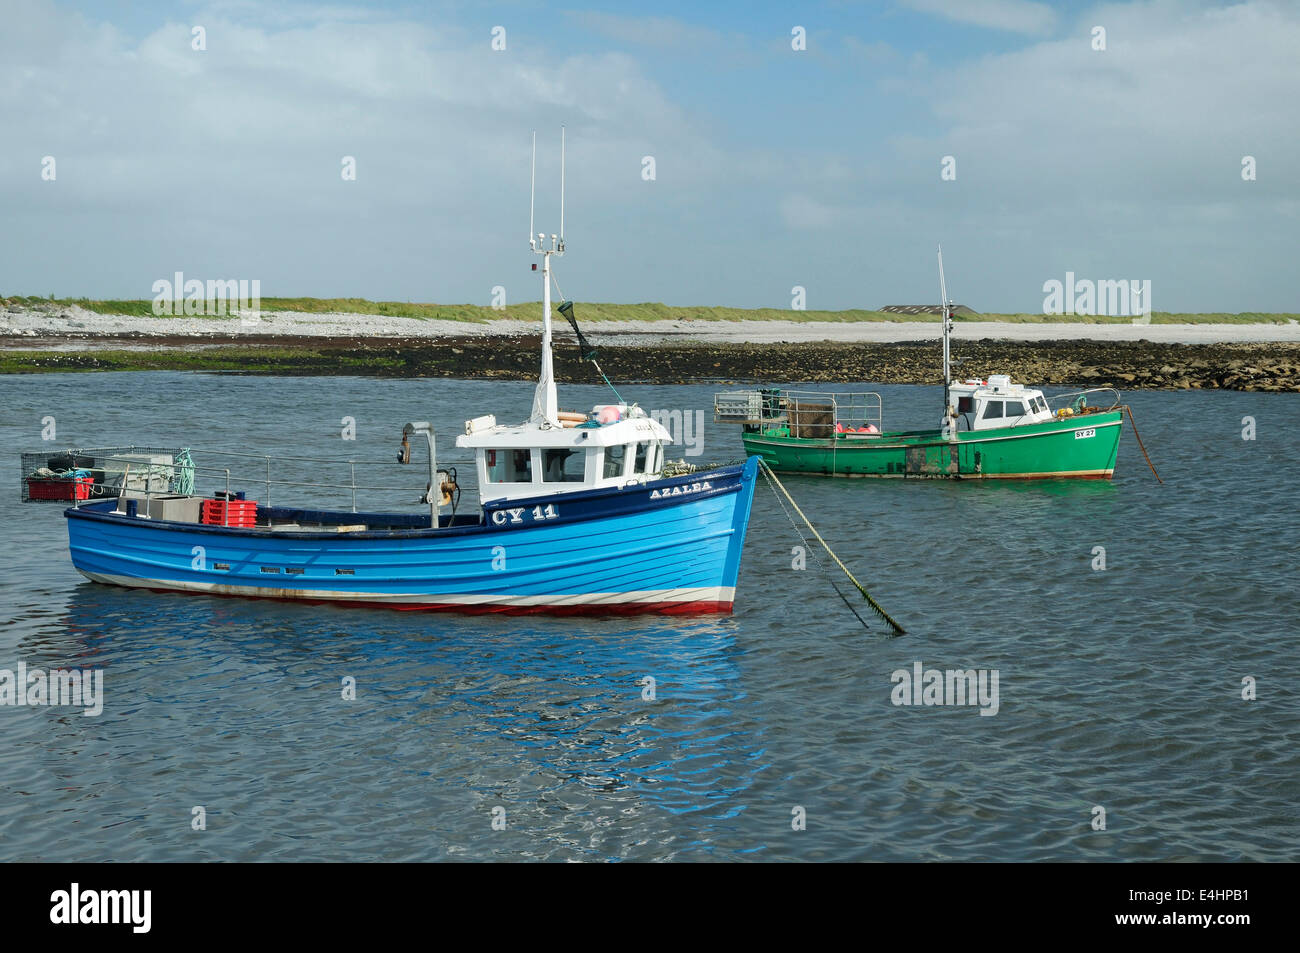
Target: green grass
1157, 317
648, 311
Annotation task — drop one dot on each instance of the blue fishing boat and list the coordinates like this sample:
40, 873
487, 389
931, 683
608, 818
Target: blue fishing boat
657, 545
578, 514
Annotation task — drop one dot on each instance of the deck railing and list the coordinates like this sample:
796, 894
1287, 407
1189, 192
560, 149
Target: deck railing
264, 477
802, 409
1068, 400
246, 472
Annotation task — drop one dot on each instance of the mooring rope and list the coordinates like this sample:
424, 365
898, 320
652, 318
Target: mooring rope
875, 606
1143, 448
816, 559
674, 468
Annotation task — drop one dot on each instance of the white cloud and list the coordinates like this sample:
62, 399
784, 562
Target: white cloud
663, 33
1179, 95
1118, 161
1014, 16
1124, 162
803, 212
229, 158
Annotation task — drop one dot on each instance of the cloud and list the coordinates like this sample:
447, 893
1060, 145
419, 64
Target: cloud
1179, 95
1013, 16
1115, 162
661, 33
228, 160
803, 212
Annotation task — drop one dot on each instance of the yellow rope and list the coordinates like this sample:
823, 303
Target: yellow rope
898, 629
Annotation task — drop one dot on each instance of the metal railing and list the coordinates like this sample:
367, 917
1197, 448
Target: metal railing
1076, 395
352, 465
772, 406
858, 409
144, 486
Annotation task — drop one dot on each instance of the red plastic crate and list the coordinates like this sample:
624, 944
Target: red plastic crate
53, 488
241, 513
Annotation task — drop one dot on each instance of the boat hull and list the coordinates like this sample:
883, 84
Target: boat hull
1079, 447
670, 546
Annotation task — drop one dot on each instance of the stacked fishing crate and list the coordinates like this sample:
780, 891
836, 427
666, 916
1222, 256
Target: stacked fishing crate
229, 509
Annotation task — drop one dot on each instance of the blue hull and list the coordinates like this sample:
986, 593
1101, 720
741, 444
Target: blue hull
673, 545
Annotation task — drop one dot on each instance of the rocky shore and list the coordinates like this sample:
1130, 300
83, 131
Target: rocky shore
1127, 365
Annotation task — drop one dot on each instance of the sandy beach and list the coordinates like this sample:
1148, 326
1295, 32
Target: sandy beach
48, 325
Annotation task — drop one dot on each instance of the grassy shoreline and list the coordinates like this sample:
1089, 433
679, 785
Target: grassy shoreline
594, 312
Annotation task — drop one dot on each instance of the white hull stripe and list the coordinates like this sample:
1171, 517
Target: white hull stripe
1037, 475
702, 594
826, 444
1030, 436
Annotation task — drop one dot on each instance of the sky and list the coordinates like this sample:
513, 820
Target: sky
820, 168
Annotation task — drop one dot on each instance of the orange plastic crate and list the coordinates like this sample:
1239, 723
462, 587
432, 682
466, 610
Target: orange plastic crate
242, 513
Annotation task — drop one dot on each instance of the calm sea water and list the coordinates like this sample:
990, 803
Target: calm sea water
1119, 689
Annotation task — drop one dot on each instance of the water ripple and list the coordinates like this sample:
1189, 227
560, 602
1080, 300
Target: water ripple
1118, 689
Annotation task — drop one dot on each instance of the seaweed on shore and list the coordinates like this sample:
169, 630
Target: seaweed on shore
1076, 363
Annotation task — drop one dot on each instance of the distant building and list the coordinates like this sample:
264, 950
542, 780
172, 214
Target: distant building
957, 309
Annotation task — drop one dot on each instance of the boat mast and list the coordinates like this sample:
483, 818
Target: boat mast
545, 402
946, 307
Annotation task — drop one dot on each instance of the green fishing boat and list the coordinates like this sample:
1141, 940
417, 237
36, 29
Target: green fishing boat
1013, 434
990, 428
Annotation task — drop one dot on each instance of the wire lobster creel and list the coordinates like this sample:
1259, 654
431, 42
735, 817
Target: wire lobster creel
104, 473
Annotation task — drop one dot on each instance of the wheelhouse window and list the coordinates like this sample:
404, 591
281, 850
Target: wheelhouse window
1042, 405
509, 466
991, 410
564, 466
965, 405
614, 458
643, 458
1015, 408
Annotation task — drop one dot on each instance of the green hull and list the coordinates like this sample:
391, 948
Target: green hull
1084, 446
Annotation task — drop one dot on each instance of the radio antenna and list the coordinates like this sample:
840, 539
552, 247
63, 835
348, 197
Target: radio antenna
544, 402
945, 310
561, 185
532, 195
